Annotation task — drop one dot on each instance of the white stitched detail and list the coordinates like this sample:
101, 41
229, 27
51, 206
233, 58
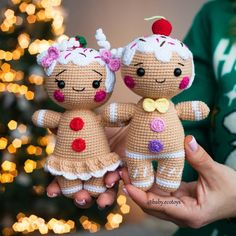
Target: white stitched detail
40, 118
196, 110
171, 171
113, 112
168, 183
82, 176
95, 189
141, 184
135, 173
68, 191
145, 171
140, 156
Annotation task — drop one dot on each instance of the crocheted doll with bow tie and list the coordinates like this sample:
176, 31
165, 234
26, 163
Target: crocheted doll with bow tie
157, 68
79, 79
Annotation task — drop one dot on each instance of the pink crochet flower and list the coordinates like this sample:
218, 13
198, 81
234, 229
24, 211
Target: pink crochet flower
106, 56
52, 54
113, 63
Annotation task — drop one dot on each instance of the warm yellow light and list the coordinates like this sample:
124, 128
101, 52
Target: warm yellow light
31, 19
36, 79
31, 150
2, 54
19, 20
17, 143
9, 77
5, 67
23, 40
19, 75
16, 55
22, 128
30, 9
7, 178
9, 13
29, 95
2, 87
12, 124
16, 1
125, 209
11, 149
29, 166
23, 89
8, 166
4, 27
8, 56
23, 6
3, 143
121, 200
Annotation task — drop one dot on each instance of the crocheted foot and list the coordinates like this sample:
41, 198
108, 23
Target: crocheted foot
95, 186
169, 173
69, 187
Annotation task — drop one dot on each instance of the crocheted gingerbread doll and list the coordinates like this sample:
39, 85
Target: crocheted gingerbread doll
157, 68
79, 79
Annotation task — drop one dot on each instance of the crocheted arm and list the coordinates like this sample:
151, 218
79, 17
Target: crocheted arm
118, 114
194, 110
46, 118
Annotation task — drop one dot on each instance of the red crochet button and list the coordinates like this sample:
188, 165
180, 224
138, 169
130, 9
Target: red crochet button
78, 145
77, 124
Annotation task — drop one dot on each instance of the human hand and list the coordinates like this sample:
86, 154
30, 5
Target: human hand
82, 199
195, 204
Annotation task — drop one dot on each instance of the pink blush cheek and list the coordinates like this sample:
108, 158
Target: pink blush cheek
129, 81
184, 83
100, 96
59, 96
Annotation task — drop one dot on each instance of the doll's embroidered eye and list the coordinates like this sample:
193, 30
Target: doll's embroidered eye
177, 72
96, 83
140, 71
60, 83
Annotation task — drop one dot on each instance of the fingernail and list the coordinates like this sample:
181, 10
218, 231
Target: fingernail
110, 185
51, 195
193, 144
81, 202
120, 173
125, 191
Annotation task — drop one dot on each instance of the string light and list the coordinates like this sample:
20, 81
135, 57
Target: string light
33, 223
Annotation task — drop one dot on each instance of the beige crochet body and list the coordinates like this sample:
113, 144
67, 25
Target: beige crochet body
139, 157
93, 161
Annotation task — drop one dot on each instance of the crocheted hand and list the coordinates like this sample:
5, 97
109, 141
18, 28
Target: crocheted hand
195, 204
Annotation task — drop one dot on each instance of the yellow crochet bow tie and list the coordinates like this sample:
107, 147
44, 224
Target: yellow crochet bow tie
150, 105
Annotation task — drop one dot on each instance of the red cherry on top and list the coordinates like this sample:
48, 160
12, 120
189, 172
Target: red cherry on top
162, 26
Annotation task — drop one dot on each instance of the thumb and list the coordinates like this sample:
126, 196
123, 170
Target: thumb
198, 158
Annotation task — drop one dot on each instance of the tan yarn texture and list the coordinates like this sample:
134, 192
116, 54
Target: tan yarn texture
83, 169
139, 157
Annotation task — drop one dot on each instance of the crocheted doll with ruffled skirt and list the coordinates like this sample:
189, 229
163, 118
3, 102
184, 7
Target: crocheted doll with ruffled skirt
157, 68
80, 79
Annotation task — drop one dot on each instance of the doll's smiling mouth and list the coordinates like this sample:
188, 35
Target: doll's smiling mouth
160, 82
78, 90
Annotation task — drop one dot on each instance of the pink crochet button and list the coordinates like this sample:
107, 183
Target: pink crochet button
157, 125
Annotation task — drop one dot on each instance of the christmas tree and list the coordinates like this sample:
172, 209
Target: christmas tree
28, 27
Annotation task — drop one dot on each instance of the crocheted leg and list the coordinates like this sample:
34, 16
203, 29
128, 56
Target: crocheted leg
69, 187
95, 186
141, 173
169, 173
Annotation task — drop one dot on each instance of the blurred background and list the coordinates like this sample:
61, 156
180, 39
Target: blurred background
28, 27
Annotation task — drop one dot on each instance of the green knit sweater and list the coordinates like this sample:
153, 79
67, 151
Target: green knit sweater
214, 51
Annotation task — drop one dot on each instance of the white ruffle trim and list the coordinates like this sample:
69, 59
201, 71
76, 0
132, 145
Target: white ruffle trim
83, 176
